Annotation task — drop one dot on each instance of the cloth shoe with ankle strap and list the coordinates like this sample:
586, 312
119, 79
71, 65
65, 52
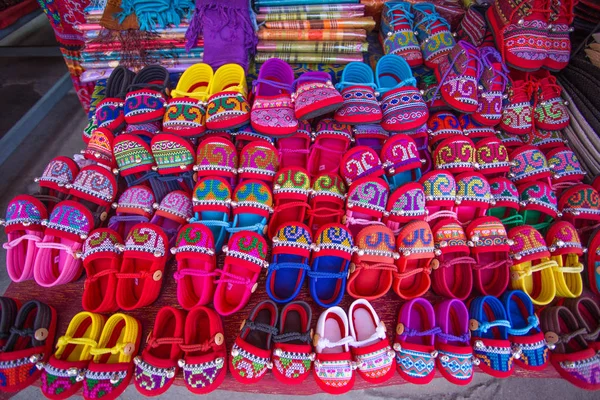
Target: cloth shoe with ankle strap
102, 257
491, 157
493, 81
433, 33
174, 158
273, 112
63, 375
111, 367
414, 343
397, 34
60, 172
506, 202
566, 169
211, 204
357, 88
147, 95
550, 110
559, 49
258, 160
227, 106
440, 194
366, 203
528, 164
401, 103
331, 140
216, 157
517, 110
401, 161
186, 110
292, 351
580, 205
566, 249
538, 205
204, 353
456, 154
134, 159
587, 312
252, 207
110, 111
405, 204
28, 345
333, 366
290, 192
314, 95
135, 205
326, 201
360, 162
156, 367
250, 356
533, 269
371, 351
415, 246
473, 197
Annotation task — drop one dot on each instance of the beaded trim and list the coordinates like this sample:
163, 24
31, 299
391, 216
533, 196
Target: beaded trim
150, 369
245, 257
253, 204
8, 364
61, 372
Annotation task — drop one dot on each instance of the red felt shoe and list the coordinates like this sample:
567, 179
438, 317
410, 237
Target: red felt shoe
559, 51
550, 109
517, 114
326, 201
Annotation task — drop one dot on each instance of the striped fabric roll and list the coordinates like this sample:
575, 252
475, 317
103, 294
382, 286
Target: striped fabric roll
312, 8
313, 47
357, 35
318, 58
367, 23
309, 16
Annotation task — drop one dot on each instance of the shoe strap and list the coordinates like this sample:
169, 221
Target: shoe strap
528, 271
493, 264
458, 260
275, 84
325, 343
464, 338
8, 313
292, 336
198, 273
118, 82
15, 242
198, 73
145, 78
154, 342
327, 275
411, 332
380, 333
202, 347
288, 265
532, 323
258, 326
43, 319
356, 74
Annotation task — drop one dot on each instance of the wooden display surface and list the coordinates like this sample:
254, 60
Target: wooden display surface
66, 299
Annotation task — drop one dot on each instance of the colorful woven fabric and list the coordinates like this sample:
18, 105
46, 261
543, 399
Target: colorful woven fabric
492, 157
328, 185
407, 203
172, 154
528, 163
185, 116
96, 184
455, 155
71, 217
292, 181
439, 186
359, 162
414, 363
202, 375
216, 156
368, 195
132, 154
25, 211
259, 160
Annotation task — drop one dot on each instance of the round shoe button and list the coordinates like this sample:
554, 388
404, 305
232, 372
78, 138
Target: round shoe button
473, 324
254, 287
103, 216
551, 337
129, 349
400, 328
41, 334
157, 275
435, 264
219, 339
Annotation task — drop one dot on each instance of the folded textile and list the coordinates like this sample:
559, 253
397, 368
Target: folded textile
367, 23
261, 3
163, 62
319, 58
312, 8
96, 74
312, 47
150, 55
358, 35
309, 15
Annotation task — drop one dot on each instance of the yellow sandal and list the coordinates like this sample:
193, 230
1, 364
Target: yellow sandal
228, 106
565, 248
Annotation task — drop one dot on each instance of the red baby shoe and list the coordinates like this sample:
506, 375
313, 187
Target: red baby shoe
559, 50
473, 197
134, 206
545, 140
492, 158
539, 206
366, 203
405, 204
401, 161
433, 33
100, 148
442, 125
580, 205
506, 198
397, 35
327, 199
566, 169
331, 141
173, 154
416, 248
60, 172
172, 213
290, 192
147, 95
493, 81
440, 194
216, 157
455, 155
360, 162
258, 160
551, 112
528, 164
252, 206
517, 113
357, 87
315, 95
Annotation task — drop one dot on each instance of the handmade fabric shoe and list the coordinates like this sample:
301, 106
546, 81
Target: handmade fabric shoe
186, 110
9, 307
506, 202
258, 160
489, 326
135, 205
28, 345
109, 111
587, 312
490, 248
416, 248
572, 356
292, 350
458, 74
194, 251
111, 367
63, 375
333, 366
491, 158
373, 263
493, 81
401, 102
60, 172
204, 353
371, 135
100, 148
272, 111
527, 340
211, 204
252, 206
414, 343
455, 155
539, 206
175, 159
509, 140
332, 251
144, 259
551, 112
216, 157
294, 149
360, 162
147, 95
433, 33
452, 276
331, 141
528, 164
357, 88
156, 366
440, 194
545, 140
455, 354
566, 249
405, 204
24, 229
95, 187
371, 350
397, 34
532, 271
101, 255
228, 106
326, 201
474, 130
314, 95
251, 353
559, 49
134, 159
473, 197
442, 125
401, 161
290, 192
566, 169
473, 27
366, 203
174, 211
520, 31
580, 205
245, 257
517, 111
291, 251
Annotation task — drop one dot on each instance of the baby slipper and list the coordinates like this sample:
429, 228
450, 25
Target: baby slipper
332, 250
566, 169
174, 158
326, 201
539, 206
333, 366
587, 312
566, 249
360, 162
366, 203
251, 353
405, 204
28, 346
506, 202
147, 95
528, 164
134, 159
156, 367
111, 367
414, 343
196, 262
216, 158
144, 259
357, 88
291, 251
292, 350
473, 197
491, 158
252, 206
258, 160
60, 172
474, 130
401, 161
135, 205
290, 192
204, 353
397, 35
172, 213
443, 125
109, 112
416, 248
455, 155
440, 194
63, 374
244, 260
211, 204
101, 255
100, 148
273, 111
372, 263
228, 106
371, 351
580, 205
331, 140
314, 95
